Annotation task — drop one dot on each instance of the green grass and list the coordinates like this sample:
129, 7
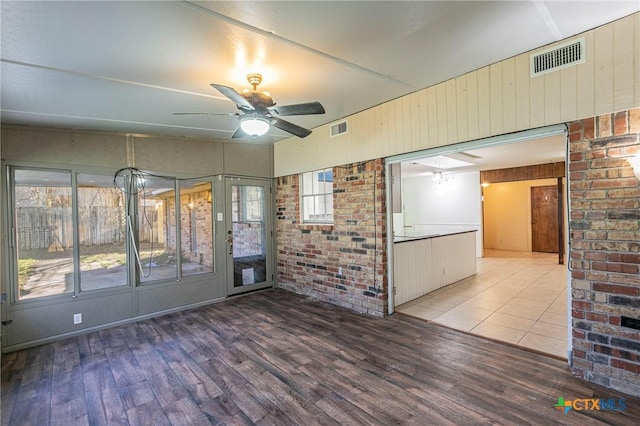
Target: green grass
26, 268
107, 256
106, 260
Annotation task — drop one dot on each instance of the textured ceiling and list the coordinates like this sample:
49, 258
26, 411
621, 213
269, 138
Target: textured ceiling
128, 66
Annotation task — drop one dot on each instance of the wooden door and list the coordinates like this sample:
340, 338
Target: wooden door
544, 219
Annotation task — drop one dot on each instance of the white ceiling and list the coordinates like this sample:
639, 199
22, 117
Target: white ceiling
127, 66
542, 150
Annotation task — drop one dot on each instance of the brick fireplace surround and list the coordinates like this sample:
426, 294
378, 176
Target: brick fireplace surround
604, 246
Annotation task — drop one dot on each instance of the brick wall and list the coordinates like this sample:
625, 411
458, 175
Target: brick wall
200, 252
203, 232
310, 256
605, 249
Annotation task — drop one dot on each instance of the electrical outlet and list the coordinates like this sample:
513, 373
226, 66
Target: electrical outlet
77, 318
340, 270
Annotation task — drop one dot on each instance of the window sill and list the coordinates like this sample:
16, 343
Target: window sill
317, 226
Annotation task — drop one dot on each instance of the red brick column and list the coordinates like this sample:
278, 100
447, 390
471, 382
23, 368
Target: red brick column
343, 263
605, 249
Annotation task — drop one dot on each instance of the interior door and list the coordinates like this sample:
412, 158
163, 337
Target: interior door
248, 235
544, 219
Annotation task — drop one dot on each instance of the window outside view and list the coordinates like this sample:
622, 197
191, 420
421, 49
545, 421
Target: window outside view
317, 196
44, 231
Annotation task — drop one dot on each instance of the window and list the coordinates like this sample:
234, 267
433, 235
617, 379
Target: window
102, 232
44, 232
157, 228
248, 220
80, 232
317, 196
197, 227
248, 231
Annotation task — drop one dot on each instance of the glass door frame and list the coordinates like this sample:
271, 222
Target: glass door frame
268, 241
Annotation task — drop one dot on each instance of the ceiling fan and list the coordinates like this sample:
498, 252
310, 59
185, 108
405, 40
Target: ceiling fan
259, 111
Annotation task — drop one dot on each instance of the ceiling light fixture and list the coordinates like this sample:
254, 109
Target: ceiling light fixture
444, 162
254, 126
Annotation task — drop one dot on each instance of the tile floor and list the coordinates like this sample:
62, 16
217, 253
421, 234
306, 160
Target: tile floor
515, 297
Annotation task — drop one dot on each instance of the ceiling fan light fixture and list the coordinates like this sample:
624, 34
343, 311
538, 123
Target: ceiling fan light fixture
254, 126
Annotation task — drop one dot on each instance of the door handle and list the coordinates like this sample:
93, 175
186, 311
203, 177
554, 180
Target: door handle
230, 242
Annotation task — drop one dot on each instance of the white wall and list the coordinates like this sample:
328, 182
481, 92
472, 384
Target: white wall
454, 205
507, 214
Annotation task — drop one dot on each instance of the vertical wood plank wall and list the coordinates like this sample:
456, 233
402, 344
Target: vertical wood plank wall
425, 265
497, 99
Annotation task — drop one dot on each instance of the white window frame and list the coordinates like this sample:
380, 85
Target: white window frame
322, 196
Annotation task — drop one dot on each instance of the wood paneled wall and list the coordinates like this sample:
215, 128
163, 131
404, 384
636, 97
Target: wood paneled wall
494, 100
514, 174
425, 265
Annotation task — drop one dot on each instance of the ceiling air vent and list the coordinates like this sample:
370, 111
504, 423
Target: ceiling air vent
562, 56
338, 129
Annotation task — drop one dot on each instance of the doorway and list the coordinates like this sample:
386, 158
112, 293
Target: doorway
248, 235
517, 295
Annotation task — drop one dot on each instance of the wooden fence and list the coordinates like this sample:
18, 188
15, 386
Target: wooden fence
46, 228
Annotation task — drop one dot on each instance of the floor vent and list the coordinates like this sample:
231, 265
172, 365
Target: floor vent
338, 129
563, 56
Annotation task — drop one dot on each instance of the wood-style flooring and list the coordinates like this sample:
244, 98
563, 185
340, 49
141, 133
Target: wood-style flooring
278, 358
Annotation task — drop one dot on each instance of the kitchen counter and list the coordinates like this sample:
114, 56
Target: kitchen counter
405, 238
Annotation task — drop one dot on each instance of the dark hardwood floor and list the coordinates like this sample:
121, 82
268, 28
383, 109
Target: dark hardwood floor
278, 358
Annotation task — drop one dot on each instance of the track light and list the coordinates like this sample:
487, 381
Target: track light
254, 126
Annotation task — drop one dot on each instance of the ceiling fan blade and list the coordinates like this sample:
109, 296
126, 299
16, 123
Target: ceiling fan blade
233, 94
299, 109
207, 113
239, 133
294, 129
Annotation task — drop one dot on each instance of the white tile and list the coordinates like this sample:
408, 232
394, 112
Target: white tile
456, 321
550, 330
544, 344
441, 304
531, 313
537, 296
475, 313
479, 302
558, 308
457, 293
407, 304
529, 304
499, 332
511, 321
514, 297
495, 297
506, 288
420, 311
554, 318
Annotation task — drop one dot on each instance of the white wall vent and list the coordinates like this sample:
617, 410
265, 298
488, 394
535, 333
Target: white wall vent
338, 129
562, 56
